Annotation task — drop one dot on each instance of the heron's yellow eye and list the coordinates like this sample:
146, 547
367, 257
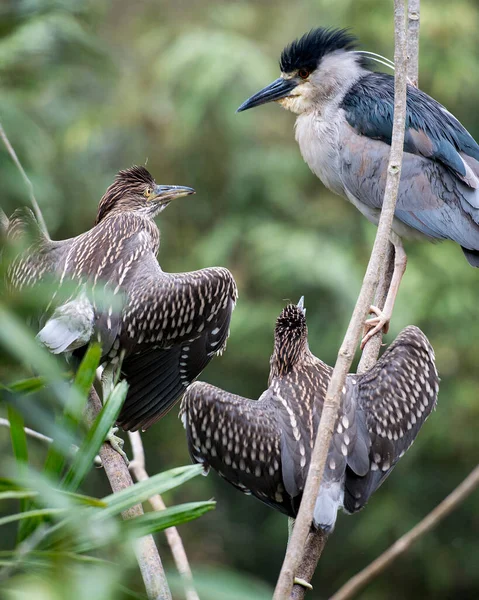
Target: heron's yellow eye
148, 192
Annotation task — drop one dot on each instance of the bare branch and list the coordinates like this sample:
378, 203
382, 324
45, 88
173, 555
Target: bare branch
44, 438
450, 503
25, 178
303, 522
137, 466
119, 477
413, 23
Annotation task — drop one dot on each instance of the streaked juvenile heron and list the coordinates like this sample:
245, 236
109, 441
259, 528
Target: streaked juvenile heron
344, 127
264, 447
168, 325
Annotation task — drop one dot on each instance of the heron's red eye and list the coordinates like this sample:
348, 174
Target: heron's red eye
303, 73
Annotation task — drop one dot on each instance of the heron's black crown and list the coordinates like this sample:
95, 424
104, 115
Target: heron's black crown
290, 338
127, 192
308, 50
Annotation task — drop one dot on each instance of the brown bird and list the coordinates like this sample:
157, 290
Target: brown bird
264, 447
168, 325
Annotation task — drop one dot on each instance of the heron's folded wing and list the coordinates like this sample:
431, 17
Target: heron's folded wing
431, 130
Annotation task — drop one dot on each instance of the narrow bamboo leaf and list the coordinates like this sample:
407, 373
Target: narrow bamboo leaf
30, 514
82, 499
7, 485
170, 517
20, 451
85, 376
17, 495
55, 460
72, 416
95, 437
140, 492
26, 386
18, 437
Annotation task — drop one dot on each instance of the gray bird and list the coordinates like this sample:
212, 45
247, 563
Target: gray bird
264, 447
344, 127
167, 326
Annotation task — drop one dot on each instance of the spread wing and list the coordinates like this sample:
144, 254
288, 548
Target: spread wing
38, 256
174, 324
240, 439
394, 398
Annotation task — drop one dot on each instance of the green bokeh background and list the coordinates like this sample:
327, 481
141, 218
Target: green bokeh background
88, 87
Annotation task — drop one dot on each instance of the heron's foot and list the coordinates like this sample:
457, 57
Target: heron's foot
375, 324
117, 443
302, 582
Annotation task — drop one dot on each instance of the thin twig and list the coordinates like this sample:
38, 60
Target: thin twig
450, 503
44, 438
413, 23
119, 477
137, 467
303, 522
33, 200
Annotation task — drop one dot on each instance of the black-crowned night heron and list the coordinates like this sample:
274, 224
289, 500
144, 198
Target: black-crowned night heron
168, 325
264, 447
344, 127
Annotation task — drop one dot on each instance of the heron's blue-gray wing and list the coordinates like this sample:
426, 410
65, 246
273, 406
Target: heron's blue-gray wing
438, 194
431, 130
184, 321
240, 439
394, 399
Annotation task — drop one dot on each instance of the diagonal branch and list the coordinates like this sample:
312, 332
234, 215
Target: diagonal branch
137, 466
442, 510
33, 200
303, 522
119, 477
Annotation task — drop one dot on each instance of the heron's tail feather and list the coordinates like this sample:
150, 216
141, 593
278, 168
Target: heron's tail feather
472, 256
329, 500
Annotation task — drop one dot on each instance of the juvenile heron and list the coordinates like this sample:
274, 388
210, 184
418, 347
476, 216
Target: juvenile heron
344, 127
264, 447
168, 325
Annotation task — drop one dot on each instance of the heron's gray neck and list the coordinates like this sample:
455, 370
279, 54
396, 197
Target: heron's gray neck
334, 77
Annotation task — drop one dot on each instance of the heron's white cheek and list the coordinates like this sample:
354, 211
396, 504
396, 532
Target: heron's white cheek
297, 104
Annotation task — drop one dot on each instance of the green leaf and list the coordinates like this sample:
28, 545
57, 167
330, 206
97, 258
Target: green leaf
17, 495
26, 386
20, 451
29, 514
72, 417
85, 377
170, 517
95, 437
18, 437
140, 492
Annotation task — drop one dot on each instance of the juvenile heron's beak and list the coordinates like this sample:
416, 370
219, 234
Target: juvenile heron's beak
166, 193
280, 88
300, 305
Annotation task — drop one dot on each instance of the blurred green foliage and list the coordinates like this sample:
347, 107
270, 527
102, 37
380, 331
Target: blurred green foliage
89, 87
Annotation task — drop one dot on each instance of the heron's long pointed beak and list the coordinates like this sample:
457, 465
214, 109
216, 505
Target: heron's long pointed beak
166, 193
280, 88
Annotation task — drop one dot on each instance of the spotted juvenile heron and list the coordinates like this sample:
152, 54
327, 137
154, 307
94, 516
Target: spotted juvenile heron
344, 128
168, 326
264, 447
